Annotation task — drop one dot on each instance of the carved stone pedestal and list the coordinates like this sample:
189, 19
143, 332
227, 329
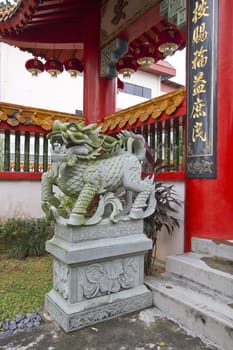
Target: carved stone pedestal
98, 273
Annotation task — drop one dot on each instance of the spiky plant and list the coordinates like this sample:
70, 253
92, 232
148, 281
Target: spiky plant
163, 217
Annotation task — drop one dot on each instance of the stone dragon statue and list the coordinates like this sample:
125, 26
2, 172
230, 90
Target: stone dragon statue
92, 168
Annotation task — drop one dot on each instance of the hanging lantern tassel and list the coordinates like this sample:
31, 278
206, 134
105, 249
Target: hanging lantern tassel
54, 67
126, 66
169, 41
74, 67
34, 66
145, 54
120, 85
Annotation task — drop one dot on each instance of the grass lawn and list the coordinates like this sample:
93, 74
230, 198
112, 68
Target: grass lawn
23, 284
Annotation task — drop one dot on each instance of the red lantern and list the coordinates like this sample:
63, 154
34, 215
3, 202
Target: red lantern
54, 67
126, 66
74, 67
145, 54
34, 66
120, 85
169, 41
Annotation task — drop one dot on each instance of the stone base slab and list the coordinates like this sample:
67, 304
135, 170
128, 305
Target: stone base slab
102, 230
97, 279
73, 253
75, 316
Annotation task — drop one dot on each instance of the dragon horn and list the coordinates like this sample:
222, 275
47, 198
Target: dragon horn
89, 127
57, 125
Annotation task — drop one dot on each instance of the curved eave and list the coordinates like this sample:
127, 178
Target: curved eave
30, 14
37, 25
15, 18
20, 117
165, 106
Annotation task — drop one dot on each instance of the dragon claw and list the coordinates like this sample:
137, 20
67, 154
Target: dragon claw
76, 219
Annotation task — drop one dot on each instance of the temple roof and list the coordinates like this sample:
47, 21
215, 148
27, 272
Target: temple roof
34, 25
56, 28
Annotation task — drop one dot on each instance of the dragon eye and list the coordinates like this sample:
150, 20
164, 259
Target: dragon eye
72, 128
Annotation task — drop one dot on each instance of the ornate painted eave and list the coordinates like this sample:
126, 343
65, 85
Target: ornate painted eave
162, 106
26, 14
17, 115
33, 25
8, 9
15, 16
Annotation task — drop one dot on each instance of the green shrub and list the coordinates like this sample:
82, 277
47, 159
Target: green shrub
26, 236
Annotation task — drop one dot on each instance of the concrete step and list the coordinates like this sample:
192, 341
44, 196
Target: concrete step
218, 248
206, 313
214, 273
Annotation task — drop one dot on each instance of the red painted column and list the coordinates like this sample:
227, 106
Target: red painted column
209, 202
99, 93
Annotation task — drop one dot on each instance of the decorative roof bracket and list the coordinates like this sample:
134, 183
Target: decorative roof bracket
110, 54
175, 12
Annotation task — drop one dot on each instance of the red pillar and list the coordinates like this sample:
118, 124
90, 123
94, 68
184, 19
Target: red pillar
99, 93
209, 203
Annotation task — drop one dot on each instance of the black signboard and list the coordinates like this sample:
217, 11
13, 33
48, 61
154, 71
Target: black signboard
202, 89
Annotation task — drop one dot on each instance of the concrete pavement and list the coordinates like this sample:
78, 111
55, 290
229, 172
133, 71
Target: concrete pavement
147, 329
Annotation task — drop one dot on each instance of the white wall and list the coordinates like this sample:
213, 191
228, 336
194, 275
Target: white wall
178, 60
17, 85
20, 199
139, 78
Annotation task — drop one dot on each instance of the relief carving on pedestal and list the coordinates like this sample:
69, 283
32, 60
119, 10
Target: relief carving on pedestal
107, 278
60, 278
111, 310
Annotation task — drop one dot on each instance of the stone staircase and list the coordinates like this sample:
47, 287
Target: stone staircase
196, 290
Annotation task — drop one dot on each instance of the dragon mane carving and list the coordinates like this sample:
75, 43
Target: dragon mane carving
92, 168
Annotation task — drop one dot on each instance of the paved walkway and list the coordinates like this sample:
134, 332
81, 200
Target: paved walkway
144, 330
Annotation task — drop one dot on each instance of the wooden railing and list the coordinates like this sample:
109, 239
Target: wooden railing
162, 122
166, 139
24, 151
